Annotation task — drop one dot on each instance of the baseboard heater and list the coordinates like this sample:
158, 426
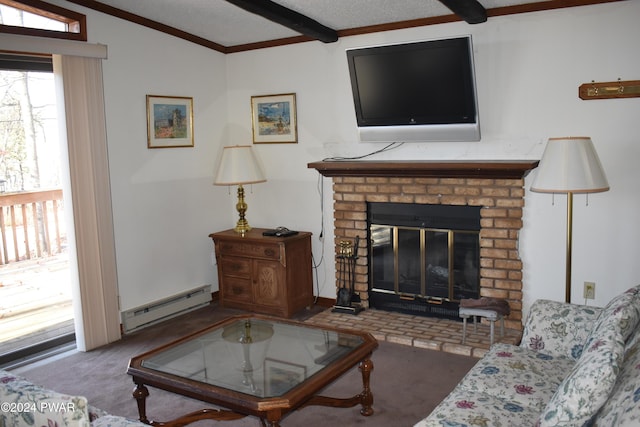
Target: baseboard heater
166, 308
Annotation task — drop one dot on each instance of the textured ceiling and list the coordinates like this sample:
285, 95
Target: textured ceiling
228, 25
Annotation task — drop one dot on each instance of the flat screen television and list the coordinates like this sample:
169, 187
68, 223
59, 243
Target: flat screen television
420, 91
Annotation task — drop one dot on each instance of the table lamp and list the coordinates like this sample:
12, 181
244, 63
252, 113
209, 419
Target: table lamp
238, 166
570, 165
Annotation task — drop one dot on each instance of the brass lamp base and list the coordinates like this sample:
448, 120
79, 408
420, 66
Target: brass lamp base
242, 226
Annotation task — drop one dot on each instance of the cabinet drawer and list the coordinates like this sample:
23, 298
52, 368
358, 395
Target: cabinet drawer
237, 289
253, 250
232, 266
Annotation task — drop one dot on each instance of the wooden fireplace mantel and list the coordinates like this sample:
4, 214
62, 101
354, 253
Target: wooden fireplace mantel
491, 169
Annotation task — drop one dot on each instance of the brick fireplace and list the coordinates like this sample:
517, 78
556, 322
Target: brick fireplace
495, 186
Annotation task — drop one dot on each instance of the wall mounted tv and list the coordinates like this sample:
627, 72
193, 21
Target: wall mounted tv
421, 91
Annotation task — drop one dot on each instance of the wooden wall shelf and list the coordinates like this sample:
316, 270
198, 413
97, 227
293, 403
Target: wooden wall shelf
609, 90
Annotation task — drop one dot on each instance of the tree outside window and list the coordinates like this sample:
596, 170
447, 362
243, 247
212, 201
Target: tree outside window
29, 155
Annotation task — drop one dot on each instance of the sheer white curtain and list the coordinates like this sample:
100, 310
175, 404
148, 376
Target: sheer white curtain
81, 101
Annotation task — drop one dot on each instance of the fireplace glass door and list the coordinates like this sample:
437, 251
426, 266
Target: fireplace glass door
424, 262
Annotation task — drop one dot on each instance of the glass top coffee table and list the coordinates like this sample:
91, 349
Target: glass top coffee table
255, 365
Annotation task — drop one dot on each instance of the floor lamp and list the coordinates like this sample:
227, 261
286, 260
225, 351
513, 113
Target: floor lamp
570, 165
238, 166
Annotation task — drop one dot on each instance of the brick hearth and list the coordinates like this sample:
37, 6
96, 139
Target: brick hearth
498, 187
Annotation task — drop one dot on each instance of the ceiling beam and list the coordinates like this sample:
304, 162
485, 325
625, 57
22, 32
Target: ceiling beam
535, 6
288, 18
469, 10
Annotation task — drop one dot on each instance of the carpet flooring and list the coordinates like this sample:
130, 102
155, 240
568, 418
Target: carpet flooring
407, 382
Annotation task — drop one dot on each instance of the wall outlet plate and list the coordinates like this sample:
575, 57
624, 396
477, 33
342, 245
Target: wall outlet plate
589, 290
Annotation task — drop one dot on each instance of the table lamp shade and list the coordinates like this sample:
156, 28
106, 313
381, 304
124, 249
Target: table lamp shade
239, 165
570, 165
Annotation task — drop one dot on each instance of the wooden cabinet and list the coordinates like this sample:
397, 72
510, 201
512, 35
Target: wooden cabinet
269, 275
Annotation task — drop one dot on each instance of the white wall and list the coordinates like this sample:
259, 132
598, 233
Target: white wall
164, 203
528, 68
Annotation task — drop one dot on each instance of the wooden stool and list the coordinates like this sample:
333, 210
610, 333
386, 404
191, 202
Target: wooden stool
490, 315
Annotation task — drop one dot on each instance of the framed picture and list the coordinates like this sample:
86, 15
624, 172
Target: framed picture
280, 377
169, 121
273, 119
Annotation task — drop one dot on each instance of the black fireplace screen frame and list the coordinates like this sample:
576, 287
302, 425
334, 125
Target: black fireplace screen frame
423, 254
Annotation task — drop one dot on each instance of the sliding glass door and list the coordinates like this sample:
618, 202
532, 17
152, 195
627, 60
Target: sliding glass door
36, 310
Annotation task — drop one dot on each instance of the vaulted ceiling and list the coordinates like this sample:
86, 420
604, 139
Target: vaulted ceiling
238, 25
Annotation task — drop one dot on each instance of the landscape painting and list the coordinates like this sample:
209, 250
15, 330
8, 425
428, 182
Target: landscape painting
169, 121
274, 118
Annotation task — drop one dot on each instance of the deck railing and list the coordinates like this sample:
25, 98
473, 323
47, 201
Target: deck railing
32, 225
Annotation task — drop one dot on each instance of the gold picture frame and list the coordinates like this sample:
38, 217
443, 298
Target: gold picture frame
274, 119
169, 121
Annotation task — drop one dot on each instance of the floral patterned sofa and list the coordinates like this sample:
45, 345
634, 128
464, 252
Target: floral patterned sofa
576, 366
23, 403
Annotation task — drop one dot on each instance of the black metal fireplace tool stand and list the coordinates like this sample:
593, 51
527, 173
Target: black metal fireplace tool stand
347, 300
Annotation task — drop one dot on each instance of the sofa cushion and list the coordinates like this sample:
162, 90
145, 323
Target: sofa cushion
622, 409
519, 375
31, 405
621, 314
466, 408
588, 385
557, 328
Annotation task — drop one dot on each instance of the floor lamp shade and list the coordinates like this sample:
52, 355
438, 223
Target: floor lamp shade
238, 166
570, 165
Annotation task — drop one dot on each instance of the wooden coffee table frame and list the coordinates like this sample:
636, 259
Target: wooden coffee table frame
270, 410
